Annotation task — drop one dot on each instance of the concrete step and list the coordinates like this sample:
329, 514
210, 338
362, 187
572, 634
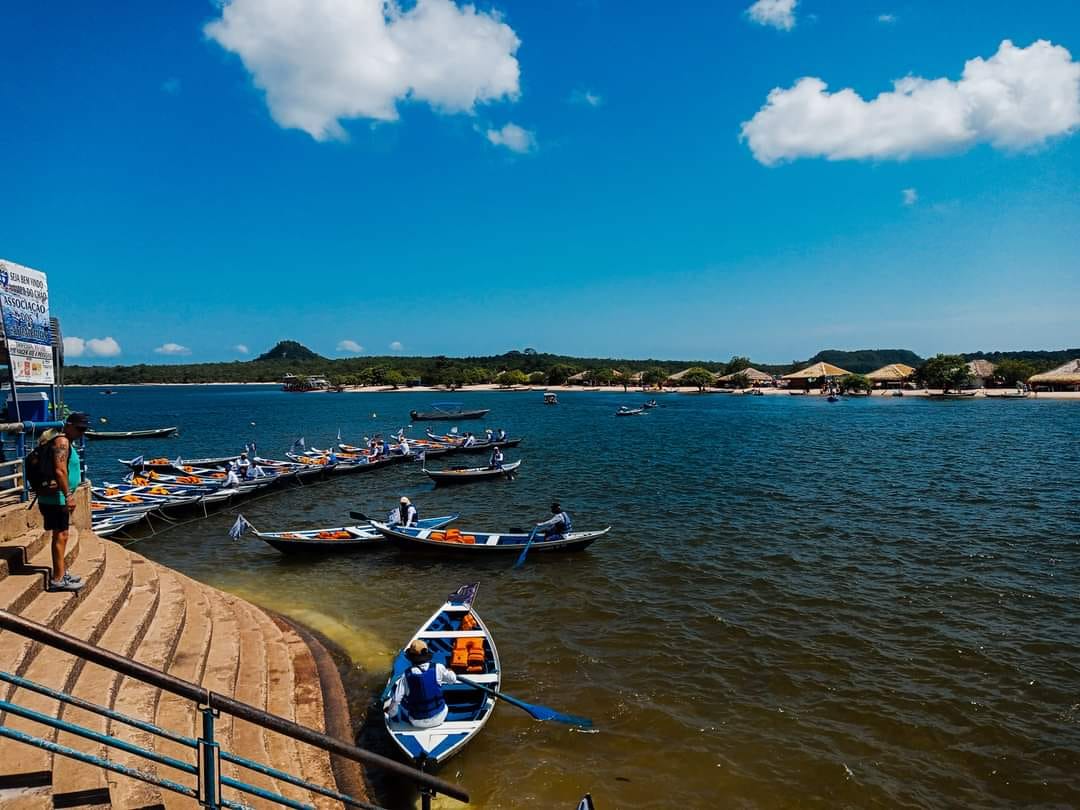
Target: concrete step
308, 703
78, 784
137, 699
106, 591
16, 551
52, 609
28, 577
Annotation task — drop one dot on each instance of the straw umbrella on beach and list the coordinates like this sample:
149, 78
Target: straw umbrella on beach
818, 371
897, 373
1066, 375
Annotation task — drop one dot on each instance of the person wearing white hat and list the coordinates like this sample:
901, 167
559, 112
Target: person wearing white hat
404, 514
417, 698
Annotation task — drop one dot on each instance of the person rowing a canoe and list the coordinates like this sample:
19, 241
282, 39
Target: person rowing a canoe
470, 440
417, 698
496, 460
557, 526
404, 514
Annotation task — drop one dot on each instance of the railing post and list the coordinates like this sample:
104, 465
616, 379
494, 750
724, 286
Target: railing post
20, 448
209, 754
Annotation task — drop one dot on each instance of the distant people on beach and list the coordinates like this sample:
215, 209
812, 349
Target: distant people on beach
417, 698
58, 503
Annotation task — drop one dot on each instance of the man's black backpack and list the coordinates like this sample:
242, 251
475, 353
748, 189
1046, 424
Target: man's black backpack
40, 469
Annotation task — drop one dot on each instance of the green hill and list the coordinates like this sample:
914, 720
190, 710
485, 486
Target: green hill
863, 361
289, 350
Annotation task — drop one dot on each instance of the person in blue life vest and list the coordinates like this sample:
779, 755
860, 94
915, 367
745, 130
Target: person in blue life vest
496, 460
405, 514
557, 526
417, 697
57, 505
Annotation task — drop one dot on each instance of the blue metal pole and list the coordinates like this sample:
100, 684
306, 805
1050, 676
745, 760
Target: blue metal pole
209, 762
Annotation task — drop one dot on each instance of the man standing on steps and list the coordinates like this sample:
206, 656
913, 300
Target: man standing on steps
56, 506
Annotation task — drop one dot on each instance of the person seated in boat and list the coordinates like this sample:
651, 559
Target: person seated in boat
232, 480
243, 466
489, 435
557, 526
501, 435
404, 514
417, 698
332, 458
496, 460
470, 440
374, 449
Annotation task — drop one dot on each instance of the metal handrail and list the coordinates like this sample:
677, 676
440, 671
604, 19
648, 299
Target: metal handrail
212, 700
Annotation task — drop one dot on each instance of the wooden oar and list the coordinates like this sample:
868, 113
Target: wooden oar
537, 712
521, 559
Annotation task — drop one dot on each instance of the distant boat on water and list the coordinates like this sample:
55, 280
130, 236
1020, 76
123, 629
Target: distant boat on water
152, 433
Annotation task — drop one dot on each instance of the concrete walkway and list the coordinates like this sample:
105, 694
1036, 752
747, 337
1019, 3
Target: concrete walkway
168, 621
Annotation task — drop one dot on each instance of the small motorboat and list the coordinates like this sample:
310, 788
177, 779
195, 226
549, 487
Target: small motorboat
459, 640
753, 392
652, 403
624, 411
551, 398
953, 395
337, 540
455, 541
833, 398
464, 475
152, 433
448, 412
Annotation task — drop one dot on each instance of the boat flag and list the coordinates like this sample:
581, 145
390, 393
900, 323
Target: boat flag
136, 462
298, 444
586, 803
254, 450
465, 594
422, 458
339, 435
239, 529
179, 462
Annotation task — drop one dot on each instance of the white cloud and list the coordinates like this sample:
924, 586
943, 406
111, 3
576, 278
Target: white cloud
586, 97
320, 61
350, 346
91, 347
909, 196
777, 13
888, 19
1017, 98
396, 346
513, 138
173, 349
240, 348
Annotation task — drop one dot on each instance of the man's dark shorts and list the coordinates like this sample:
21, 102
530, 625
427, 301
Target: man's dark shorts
57, 517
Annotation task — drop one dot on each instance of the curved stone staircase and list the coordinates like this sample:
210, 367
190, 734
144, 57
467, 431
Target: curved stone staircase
147, 612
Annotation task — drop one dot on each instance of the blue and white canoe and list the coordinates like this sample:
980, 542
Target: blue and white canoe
469, 708
337, 540
414, 538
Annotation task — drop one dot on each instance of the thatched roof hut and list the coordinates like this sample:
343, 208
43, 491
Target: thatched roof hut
1066, 375
577, 379
892, 373
752, 374
817, 371
678, 375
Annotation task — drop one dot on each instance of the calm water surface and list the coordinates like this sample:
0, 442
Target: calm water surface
871, 603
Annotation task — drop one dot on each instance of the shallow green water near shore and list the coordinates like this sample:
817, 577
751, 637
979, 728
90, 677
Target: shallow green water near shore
863, 604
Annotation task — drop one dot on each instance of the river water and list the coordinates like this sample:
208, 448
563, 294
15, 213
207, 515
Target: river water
871, 603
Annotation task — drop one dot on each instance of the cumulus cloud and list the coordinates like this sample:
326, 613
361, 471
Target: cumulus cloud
396, 346
1017, 98
349, 346
777, 13
240, 348
909, 196
886, 18
586, 97
513, 137
92, 347
320, 61
173, 349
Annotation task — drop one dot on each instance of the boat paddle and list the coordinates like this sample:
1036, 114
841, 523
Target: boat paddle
537, 712
521, 559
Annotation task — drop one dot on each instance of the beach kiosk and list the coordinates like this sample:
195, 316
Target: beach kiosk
814, 376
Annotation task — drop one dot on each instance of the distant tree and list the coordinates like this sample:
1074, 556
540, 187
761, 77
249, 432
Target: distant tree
855, 382
735, 365
741, 380
393, 378
699, 377
944, 371
653, 376
537, 378
559, 373
1010, 371
624, 377
602, 376
511, 377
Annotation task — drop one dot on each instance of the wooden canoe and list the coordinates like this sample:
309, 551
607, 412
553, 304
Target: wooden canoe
152, 433
469, 708
484, 543
342, 539
467, 474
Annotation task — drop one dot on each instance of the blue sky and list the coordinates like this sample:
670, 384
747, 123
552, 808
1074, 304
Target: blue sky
192, 189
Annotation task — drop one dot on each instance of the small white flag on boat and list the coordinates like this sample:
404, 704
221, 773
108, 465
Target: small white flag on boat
465, 594
240, 527
422, 458
179, 462
339, 435
298, 444
586, 803
254, 449
136, 462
